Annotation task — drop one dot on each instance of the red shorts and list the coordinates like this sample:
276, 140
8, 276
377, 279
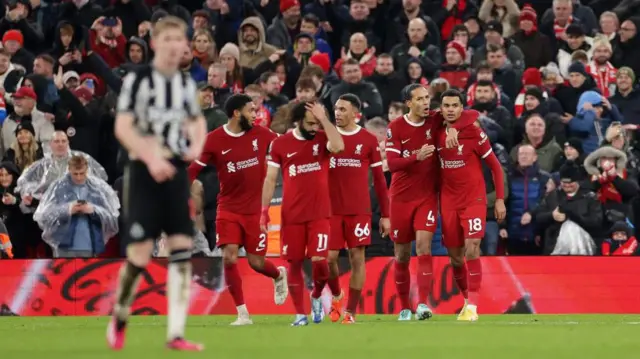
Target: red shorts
305, 240
354, 231
460, 224
409, 217
243, 230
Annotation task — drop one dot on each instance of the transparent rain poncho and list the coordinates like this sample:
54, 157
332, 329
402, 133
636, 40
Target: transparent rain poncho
36, 179
53, 215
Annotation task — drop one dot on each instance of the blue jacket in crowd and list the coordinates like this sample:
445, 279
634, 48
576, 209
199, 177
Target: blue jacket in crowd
528, 187
585, 124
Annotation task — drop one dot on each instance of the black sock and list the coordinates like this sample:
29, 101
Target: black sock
128, 283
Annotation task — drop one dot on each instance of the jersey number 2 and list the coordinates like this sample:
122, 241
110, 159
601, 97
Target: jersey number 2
323, 239
263, 243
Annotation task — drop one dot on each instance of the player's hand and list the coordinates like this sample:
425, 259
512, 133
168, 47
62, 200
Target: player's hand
500, 210
317, 110
425, 151
452, 138
526, 219
160, 169
192, 154
385, 226
559, 216
264, 220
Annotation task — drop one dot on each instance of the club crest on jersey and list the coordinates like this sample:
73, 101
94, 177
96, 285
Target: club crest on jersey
460, 150
254, 143
388, 133
428, 134
315, 149
395, 233
358, 149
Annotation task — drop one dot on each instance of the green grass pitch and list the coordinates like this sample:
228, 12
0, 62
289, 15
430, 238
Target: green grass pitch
373, 337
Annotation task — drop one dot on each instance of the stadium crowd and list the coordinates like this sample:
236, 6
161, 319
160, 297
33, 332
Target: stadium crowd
555, 83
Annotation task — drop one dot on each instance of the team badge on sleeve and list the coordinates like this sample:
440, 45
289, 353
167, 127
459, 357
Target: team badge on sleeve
388, 133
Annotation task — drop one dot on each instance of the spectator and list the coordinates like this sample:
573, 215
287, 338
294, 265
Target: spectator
311, 25
501, 11
107, 40
486, 102
535, 102
79, 213
25, 150
535, 46
414, 73
353, 83
572, 209
418, 47
24, 105
528, 188
359, 50
43, 66
572, 151
388, 82
576, 40
569, 94
237, 76
411, 9
11, 214
564, 13
450, 13
627, 96
258, 95
462, 35
503, 72
137, 54
493, 35
211, 111
594, 115
304, 47
287, 23
13, 43
600, 68
16, 18
609, 25
626, 46
536, 134
253, 46
271, 85
217, 79
455, 70
620, 242
305, 91
190, 65
203, 48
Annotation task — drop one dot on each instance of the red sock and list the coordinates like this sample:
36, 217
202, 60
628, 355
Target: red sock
424, 277
296, 286
403, 283
234, 283
320, 274
353, 300
334, 285
460, 275
269, 270
475, 279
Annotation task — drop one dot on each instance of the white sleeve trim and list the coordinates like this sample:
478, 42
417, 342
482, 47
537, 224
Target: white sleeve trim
273, 164
377, 164
200, 163
387, 149
487, 154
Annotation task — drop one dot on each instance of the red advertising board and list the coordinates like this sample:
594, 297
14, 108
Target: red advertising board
545, 285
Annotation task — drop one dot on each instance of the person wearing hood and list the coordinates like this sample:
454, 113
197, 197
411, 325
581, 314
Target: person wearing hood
254, 48
304, 46
417, 47
353, 83
571, 202
537, 102
528, 188
501, 11
503, 72
493, 34
594, 115
486, 102
536, 135
136, 55
627, 96
455, 70
621, 241
10, 212
388, 82
626, 46
569, 94
535, 45
414, 73
610, 181
25, 150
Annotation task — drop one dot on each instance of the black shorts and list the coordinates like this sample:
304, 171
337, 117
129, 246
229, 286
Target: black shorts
150, 208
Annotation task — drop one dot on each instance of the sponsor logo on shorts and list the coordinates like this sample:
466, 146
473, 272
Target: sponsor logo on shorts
361, 239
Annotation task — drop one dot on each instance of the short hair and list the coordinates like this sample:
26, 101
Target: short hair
67, 29
407, 91
385, 56
494, 48
265, 77
78, 162
236, 103
254, 88
352, 99
579, 55
201, 13
218, 66
483, 66
305, 83
610, 14
312, 18
459, 28
484, 83
452, 93
376, 122
350, 61
47, 58
312, 70
168, 23
298, 111
398, 106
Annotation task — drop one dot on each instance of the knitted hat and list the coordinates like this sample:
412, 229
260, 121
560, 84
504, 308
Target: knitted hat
528, 13
288, 4
535, 92
231, 49
532, 76
575, 30
321, 60
579, 68
627, 71
27, 126
576, 143
13, 35
570, 172
458, 47
620, 226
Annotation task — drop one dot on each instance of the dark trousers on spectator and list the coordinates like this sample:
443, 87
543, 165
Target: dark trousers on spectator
489, 244
523, 248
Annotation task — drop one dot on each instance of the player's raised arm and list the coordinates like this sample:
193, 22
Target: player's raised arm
335, 143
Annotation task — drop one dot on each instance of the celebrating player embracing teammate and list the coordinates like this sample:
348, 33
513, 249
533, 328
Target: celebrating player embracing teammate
463, 199
303, 155
350, 203
238, 150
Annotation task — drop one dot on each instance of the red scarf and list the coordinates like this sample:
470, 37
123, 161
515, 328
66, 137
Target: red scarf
605, 77
623, 249
559, 30
263, 117
455, 18
608, 191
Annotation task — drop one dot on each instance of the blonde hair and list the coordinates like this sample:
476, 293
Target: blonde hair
201, 32
78, 162
168, 23
25, 158
602, 41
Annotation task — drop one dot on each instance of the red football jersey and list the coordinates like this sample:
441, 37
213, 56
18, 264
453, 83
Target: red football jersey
461, 168
349, 172
240, 160
305, 167
419, 180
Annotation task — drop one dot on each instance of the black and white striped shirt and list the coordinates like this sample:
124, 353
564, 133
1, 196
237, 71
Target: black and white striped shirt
160, 105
